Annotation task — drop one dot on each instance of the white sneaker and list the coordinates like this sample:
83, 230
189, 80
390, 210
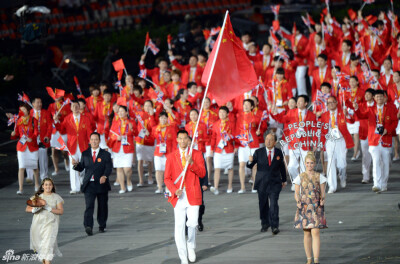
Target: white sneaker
150, 182
396, 158
129, 187
229, 191
139, 185
20, 192
54, 173
331, 191
384, 189
116, 183
146, 174
36, 189
343, 184
365, 181
253, 191
73, 192
241, 191
216, 192
212, 189
376, 189
121, 191
292, 188
158, 191
184, 262
251, 181
191, 255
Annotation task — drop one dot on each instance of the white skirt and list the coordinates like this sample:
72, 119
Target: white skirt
144, 152
353, 128
27, 159
159, 163
223, 160
244, 153
54, 140
208, 152
398, 129
121, 159
103, 143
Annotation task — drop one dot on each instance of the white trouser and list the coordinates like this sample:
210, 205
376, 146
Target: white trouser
43, 165
366, 159
181, 210
336, 153
296, 160
380, 165
301, 80
74, 176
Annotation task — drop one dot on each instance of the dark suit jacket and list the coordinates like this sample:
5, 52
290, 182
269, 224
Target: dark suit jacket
268, 178
102, 167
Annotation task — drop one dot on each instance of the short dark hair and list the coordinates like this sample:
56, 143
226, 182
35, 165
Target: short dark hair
337, 68
163, 113
273, 134
354, 57
182, 131
371, 91
195, 110
348, 42
108, 91
379, 92
354, 77
250, 101
280, 70
326, 84
138, 88
306, 99
95, 133
323, 56
81, 100
190, 84
224, 108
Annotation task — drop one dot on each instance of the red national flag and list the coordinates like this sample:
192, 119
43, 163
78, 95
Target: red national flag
352, 14
169, 39
146, 42
62, 143
233, 73
312, 22
206, 33
119, 75
118, 65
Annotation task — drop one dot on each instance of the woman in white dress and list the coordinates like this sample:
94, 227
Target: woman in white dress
46, 219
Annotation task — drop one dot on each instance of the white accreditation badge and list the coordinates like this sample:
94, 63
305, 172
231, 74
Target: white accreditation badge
163, 148
124, 140
142, 133
23, 140
221, 144
335, 134
279, 103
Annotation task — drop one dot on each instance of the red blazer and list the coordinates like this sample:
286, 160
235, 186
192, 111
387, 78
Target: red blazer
91, 103
53, 109
244, 123
259, 66
130, 132
389, 123
316, 83
383, 83
173, 88
341, 121
134, 107
153, 73
292, 117
185, 69
173, 169
301, 46
393, 93
149, 122
183, 111
30, 131
101, 116
286, 92
44, 125
169, 137
363, 131
209, 117
75, 136
196, 100
202, 134
216, 136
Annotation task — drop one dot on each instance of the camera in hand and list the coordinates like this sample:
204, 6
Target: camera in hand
41, 145
380, 130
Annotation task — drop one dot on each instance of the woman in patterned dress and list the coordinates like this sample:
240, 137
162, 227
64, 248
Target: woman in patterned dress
310, 215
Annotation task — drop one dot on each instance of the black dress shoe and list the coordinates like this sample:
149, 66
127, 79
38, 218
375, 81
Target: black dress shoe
200, 227
264, 228
275, 230
89, 231
102, 229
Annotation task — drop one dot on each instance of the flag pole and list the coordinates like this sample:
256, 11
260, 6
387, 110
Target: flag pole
205, 94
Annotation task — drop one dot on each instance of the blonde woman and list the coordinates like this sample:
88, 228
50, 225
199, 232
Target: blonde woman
310, 215
45, 222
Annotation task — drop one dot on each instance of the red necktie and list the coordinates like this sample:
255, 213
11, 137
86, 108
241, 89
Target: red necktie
94, 156
269, 157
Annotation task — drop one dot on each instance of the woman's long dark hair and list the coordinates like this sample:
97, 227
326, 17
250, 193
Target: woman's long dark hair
41, 190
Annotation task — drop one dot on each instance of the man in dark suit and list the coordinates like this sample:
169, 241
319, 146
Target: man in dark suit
270, 179
98, 166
